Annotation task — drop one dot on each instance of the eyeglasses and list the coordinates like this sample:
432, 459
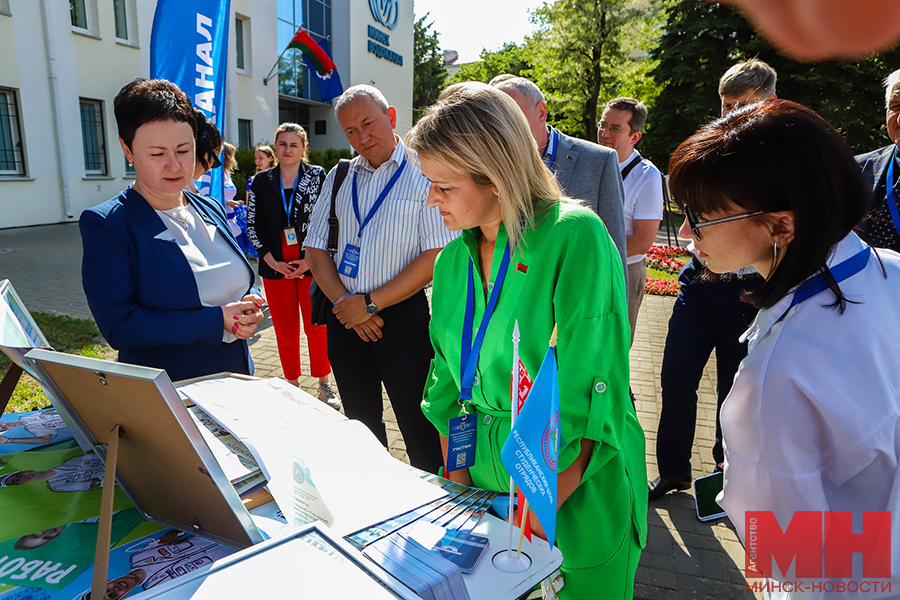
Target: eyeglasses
696, 225
216, 163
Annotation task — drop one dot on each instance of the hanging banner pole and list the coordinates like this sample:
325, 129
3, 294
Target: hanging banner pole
189, 47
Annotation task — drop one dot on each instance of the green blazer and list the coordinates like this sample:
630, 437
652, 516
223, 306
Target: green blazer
565, 270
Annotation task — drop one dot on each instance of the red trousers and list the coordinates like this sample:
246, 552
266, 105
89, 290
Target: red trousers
287, 299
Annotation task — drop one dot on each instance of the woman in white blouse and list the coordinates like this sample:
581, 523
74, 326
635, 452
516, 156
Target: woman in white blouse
811, 423
164, 277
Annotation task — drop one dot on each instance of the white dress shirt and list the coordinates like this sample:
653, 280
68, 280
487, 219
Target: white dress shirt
221, 277
812, 422
402, 229
643, 196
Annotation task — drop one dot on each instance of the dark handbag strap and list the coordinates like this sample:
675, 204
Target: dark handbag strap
333, 223
630, 166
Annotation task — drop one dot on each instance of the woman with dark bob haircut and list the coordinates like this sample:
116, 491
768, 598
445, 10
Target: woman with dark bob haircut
812, 422
164, 278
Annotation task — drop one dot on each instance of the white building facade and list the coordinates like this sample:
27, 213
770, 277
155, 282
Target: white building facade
63, 61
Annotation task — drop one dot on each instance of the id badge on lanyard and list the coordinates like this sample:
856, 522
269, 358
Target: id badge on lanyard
461, 442
462, 438
290, 233
349, 266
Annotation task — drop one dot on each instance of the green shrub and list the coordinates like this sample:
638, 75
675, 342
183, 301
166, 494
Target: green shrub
328, 158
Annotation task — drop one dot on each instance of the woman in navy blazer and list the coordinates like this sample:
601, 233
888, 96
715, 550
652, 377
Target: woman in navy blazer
148, 284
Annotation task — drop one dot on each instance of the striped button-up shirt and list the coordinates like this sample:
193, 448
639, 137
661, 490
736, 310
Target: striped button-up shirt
401, 230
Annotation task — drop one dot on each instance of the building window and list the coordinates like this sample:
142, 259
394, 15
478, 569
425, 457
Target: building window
245, 133
119, 6
239, 44
93, 137
12, 161
4, 7
78, 10
315, 17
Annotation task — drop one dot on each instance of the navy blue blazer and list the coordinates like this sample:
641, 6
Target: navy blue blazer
877, 228
143, 294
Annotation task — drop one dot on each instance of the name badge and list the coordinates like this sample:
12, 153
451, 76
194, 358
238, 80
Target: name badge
461, 442
349, 261
290, 236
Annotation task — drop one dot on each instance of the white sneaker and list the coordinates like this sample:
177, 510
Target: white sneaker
327, 395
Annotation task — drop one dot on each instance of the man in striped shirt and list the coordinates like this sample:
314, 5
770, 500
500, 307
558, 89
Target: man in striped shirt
387, 243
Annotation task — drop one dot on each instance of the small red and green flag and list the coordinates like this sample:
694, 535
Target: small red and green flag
315, 54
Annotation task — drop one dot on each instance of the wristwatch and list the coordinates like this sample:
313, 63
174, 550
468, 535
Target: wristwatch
370, 306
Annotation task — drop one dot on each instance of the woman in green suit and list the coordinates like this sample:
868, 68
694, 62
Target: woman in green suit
563, 269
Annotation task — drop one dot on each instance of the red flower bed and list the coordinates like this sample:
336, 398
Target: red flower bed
668, 259
661, 287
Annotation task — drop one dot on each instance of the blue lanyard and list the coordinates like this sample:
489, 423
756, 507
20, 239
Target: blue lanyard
889, 188
284, 202
469, 353
378, 202
844, 270
552, 145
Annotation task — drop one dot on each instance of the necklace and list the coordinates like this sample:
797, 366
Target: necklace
170, 213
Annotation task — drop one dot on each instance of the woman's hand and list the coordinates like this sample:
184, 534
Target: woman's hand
286, 269
233, 203
300, 268
243, 317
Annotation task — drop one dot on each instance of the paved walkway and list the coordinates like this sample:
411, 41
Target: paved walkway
684, 559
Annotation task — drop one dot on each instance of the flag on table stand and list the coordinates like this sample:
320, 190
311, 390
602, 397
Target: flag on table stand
525, 384
531, 452
189, 47
320, 65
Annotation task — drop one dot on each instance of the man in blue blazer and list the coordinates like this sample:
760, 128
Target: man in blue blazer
881, 227
584, 170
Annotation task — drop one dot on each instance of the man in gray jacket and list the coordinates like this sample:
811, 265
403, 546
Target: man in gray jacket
585, 170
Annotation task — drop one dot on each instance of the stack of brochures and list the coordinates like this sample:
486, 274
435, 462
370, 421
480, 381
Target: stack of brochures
464, 550
233, 456
427, 574
459, 511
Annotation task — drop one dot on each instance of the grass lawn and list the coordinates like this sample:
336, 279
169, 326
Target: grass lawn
66, 334
657, 274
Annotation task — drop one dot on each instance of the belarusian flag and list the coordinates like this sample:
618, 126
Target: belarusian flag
525, 384
318, 58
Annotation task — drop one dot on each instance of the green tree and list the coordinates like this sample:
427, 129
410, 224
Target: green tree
585, 51
429, 73
703, 39
510, 58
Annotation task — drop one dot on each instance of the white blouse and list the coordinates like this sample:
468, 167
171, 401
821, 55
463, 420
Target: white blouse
812, 422
220, 274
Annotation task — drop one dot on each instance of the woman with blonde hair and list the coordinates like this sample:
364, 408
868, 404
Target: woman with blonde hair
541, 261
278, 207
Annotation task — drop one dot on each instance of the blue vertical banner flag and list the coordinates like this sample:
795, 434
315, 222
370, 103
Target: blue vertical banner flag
189, 47
531, 452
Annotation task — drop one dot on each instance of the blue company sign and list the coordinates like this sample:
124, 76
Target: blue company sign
378, 38
386, 12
